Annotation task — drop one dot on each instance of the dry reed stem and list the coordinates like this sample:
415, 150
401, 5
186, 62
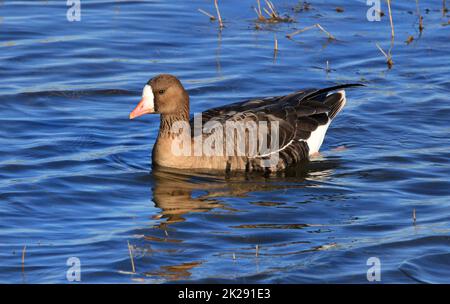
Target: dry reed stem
414, 215
260, 18
218, 14
317, 25
23, 257
211, 17
388, 55
259, 12
326, 32
259, 8
272, 8
275, 47
390, 20
131, 257
271, 11
381, 50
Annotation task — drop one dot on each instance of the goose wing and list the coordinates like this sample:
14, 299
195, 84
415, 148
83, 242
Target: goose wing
303, 118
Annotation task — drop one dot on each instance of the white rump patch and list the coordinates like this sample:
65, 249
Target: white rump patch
316, 139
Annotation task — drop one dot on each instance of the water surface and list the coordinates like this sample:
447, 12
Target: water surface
76, 177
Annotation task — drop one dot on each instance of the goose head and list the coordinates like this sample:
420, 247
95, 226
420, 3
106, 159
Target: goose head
163, 94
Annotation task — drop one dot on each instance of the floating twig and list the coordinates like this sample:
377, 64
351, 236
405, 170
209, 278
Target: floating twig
211, 17
317, 25
218, 14
131, 257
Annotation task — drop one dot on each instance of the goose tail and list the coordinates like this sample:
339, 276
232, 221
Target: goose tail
335, 102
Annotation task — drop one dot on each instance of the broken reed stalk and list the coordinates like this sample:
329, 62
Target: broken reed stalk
211, 17
388, 55
317, 25
131, 257
389, 61
420, 17
275, 46
23, 257
444, 8
257, 250
218, 14
414, 216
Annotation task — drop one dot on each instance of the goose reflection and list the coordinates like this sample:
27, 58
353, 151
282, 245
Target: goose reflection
178, 193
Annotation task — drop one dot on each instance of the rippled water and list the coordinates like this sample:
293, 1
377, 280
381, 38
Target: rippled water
75, 173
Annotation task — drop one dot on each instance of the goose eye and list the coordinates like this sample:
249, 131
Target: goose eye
161, 92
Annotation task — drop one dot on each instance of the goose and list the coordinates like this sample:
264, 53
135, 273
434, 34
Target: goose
262, 134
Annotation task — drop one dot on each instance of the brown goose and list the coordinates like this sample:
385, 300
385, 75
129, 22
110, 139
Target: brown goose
262, 134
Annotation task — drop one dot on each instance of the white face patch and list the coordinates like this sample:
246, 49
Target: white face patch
147, 95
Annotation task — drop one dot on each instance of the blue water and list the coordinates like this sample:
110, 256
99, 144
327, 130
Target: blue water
76, 177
